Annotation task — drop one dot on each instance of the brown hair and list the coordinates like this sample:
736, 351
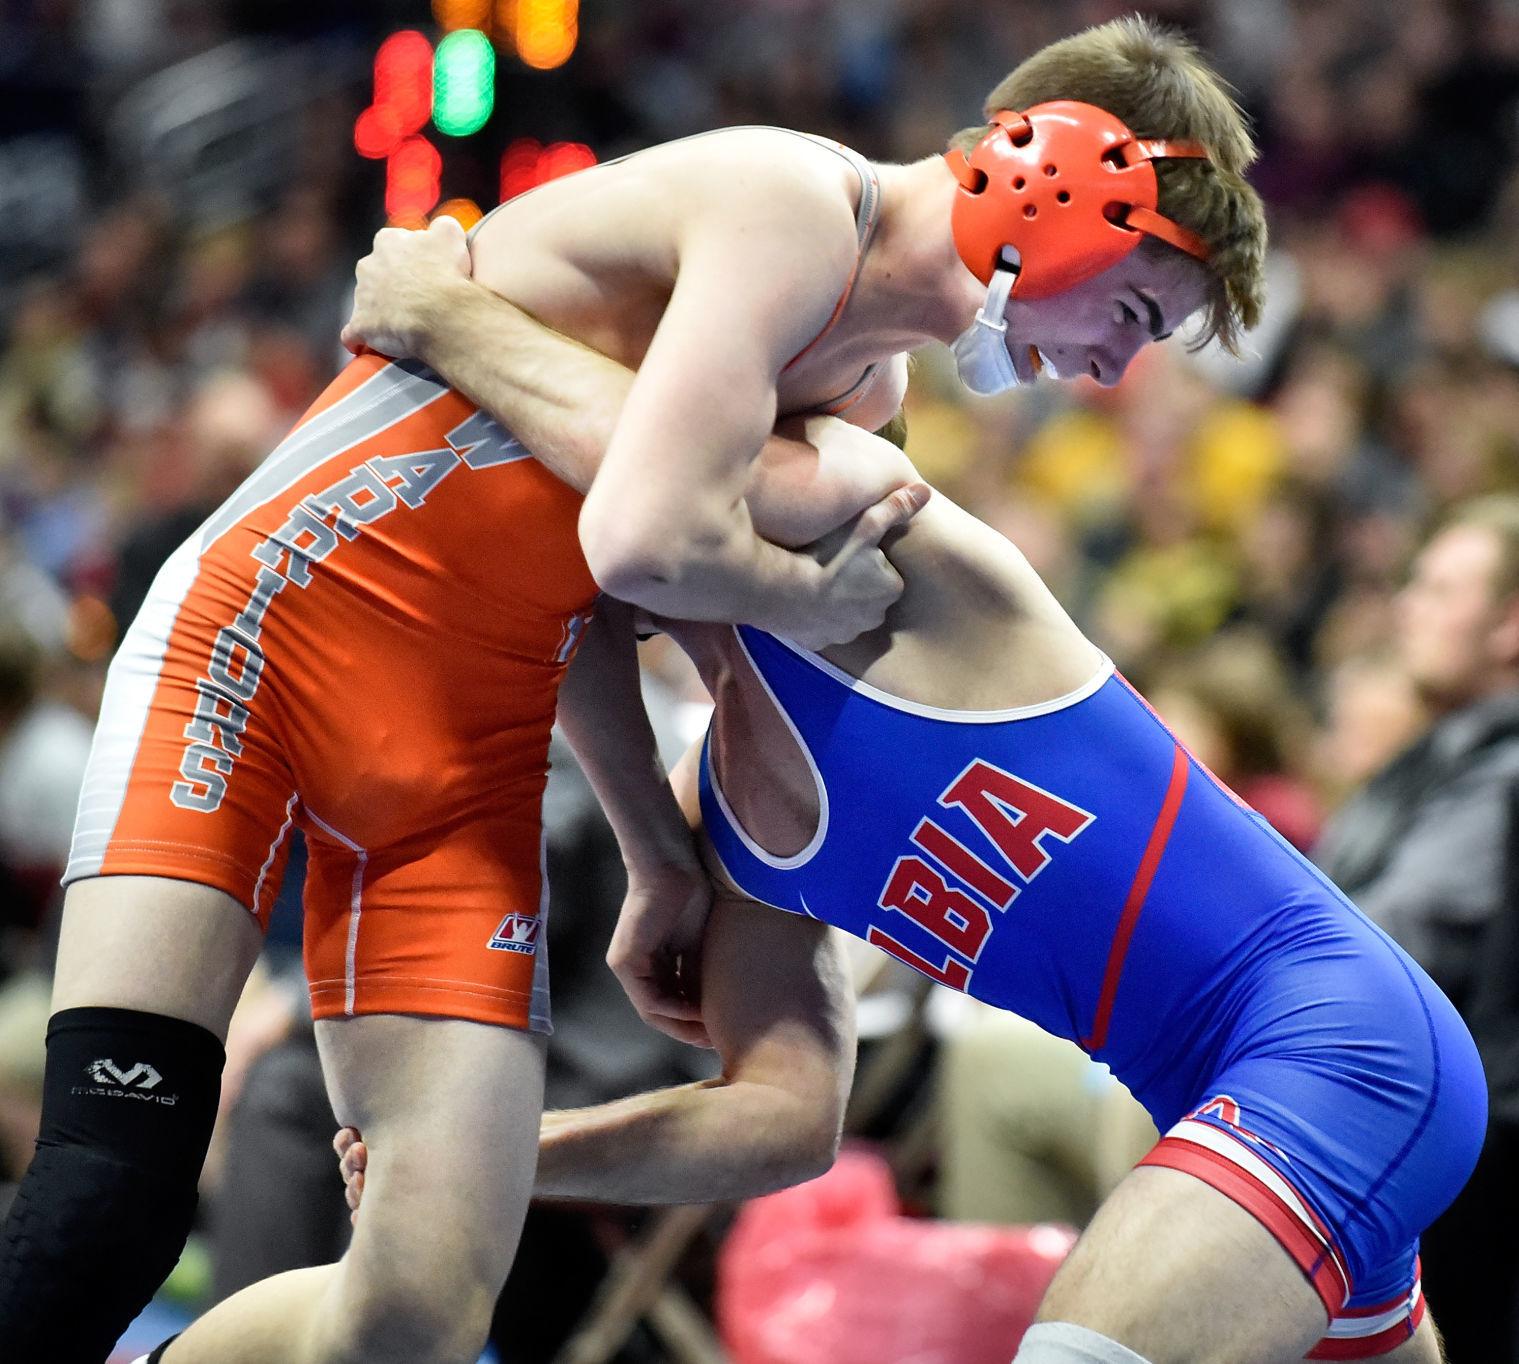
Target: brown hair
1497, 513
1159, 85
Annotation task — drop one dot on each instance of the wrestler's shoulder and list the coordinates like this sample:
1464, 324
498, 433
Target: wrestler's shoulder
767, 174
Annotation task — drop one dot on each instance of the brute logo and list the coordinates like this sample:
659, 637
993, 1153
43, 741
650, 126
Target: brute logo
515, 933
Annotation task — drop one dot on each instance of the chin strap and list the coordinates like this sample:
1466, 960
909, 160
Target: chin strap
993, 314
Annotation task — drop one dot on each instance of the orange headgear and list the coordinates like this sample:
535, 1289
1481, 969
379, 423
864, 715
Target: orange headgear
1065, 188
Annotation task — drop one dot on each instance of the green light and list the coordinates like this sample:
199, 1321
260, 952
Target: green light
463, 82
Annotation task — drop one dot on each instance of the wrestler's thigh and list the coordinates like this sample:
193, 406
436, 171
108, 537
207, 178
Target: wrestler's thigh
450, 1112
1424, 1348
156, 945
1181, 1274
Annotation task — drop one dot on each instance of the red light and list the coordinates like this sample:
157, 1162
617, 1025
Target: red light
565, 158
403, 78
413, 176
376, 132
519, 166
402, 94
526, 163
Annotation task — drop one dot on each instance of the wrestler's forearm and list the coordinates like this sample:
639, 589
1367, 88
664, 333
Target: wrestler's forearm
777, 999
563, 401
710, 1142
559, 398
601, 714
721, 570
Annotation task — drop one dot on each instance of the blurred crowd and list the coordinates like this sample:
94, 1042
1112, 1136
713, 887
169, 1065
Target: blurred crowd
1234, 534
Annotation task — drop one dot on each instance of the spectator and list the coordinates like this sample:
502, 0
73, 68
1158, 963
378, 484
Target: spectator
1430, 850
1231, 703
1032, 1129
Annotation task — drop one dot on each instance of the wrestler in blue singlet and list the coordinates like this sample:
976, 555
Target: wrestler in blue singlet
1073, 863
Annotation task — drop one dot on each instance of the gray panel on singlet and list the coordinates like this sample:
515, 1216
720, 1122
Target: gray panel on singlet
393, 394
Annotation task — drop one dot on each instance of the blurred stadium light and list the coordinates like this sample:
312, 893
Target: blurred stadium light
456, 85
453, 14
463, 83
413, 176
545, 31
403, 95
526, 162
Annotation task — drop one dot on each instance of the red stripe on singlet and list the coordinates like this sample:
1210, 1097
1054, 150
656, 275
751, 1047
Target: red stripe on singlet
1138, 892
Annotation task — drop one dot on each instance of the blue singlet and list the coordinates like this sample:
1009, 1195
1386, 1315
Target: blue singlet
1073, 863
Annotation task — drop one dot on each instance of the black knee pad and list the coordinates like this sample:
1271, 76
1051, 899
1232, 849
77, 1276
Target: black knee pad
102, 1213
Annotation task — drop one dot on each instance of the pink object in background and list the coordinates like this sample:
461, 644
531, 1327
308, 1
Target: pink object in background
831, 1273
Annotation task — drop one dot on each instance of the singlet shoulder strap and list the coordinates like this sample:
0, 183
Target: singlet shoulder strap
836, 407
866, 219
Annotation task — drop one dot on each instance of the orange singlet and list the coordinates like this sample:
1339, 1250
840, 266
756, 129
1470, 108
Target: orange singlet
366, 641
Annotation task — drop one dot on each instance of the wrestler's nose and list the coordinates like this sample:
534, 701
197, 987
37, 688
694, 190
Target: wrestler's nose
1108, 363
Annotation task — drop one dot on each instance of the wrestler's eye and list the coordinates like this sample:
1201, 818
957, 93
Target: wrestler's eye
1129, 315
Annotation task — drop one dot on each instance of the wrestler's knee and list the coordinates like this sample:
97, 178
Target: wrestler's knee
105, 1206
411, 1314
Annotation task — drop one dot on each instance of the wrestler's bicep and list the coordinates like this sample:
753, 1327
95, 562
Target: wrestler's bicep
705, 397
824, 476
778, 1004
777, 998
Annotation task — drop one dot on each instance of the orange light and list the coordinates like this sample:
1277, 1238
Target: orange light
506, 23
546, 31
527, 163
412, 179
455, 14
466, 212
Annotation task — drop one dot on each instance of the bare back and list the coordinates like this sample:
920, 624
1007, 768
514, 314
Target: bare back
596, 255
975, 629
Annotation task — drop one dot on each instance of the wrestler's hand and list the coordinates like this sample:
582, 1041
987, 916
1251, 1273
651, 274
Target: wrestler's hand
656, 947
403, 287
353, 1160
859, 583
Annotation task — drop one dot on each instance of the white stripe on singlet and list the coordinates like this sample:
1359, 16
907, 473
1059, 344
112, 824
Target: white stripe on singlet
131, 682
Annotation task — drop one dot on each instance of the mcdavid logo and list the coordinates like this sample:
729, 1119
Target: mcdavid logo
516, 933
142, 1075
136, 1082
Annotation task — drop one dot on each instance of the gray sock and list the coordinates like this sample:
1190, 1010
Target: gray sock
1059, 1342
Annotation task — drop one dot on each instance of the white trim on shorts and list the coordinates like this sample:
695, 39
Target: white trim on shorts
355, 909
131, 682
1238, 1153
539, 1013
